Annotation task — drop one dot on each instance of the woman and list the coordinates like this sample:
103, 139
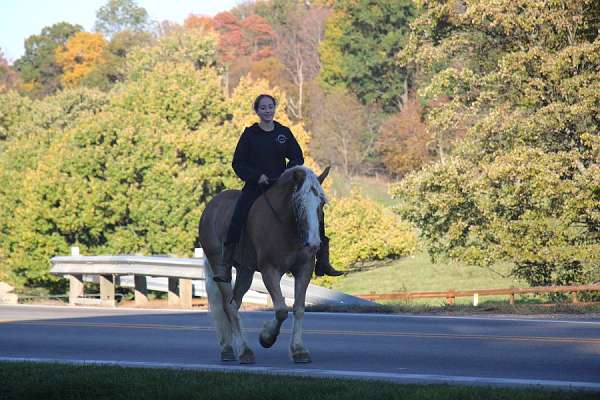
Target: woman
259, 159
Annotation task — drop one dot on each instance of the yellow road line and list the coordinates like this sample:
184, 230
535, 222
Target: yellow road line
595, 341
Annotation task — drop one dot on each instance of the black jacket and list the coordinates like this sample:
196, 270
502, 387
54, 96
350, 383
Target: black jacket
260, 152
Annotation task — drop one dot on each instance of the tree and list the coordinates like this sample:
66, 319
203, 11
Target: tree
8, 76
37, 67
121, 15
297, 47
79, 55
522, 186
111, 67
344, 131
404, 142
362, 38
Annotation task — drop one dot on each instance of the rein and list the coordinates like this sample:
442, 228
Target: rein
262, 189
264, 193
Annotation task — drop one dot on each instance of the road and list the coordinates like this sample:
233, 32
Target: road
476, 350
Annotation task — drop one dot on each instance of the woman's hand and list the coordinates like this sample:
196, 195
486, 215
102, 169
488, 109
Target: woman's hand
263, 180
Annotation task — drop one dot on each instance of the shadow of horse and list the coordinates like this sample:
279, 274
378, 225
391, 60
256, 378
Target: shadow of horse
282, 233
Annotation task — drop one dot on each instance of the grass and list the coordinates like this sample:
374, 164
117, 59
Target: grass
374, 188
418, 273
65, 382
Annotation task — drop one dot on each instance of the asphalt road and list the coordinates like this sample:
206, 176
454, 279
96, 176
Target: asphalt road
478, 350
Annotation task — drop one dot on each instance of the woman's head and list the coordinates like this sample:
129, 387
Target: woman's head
264, 106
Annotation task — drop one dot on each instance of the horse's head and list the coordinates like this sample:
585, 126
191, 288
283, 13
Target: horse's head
307, 201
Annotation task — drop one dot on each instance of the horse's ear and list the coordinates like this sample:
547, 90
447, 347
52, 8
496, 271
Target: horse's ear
324, 174
299, 175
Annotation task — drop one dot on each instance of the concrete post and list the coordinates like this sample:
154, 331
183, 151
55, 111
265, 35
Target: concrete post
173, 296
185, 293
107, 290
75, 288
141, 290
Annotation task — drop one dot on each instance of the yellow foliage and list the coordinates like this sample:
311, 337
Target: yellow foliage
362, 230
78, 56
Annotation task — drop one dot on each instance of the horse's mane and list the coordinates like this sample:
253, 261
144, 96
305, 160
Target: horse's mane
310, 181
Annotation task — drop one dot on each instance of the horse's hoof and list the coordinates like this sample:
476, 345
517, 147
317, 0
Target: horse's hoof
301, 357
265, 342
227, 354
247, 356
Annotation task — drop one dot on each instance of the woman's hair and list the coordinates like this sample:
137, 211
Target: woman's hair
262, 96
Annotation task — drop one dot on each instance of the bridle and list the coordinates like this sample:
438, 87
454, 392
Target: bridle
264, 193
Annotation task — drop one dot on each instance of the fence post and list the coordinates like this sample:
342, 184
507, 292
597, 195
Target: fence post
575, 299
107, 290
450, 297
141, 290
511, 299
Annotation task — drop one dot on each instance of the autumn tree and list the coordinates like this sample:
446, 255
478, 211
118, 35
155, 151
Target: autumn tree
38, 68
344, 131
362, 39
523, 185
8, 76
120, 15
404, 143
111, 66
242, 42
81, 52
298, 42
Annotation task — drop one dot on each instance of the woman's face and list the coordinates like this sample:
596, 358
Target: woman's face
266, 109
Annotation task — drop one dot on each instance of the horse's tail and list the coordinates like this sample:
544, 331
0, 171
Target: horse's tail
216, 305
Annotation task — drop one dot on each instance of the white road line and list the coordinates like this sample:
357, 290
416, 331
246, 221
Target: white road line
326, 373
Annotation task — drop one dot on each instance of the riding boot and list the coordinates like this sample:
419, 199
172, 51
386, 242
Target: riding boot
323, 266
222, 272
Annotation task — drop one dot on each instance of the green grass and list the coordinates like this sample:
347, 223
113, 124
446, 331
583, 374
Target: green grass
64, 382
418, 273
376, 189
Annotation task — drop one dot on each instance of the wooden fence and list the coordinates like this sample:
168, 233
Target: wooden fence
451, 295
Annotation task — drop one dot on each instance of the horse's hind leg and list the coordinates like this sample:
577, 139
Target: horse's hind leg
245, 354
268, 335
301, 280
217, 309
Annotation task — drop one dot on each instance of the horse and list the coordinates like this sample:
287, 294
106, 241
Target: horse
282, 231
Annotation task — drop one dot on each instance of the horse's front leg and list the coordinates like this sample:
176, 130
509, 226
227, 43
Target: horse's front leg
268, 335
301, 280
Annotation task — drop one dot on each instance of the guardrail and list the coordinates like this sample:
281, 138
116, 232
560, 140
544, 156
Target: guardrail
451, 295
182, 278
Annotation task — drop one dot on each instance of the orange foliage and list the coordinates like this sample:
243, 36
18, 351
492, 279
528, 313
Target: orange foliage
196, 20
404, 141
251, 37
81, 52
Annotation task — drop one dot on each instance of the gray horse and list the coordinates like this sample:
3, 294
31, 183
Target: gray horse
281, 235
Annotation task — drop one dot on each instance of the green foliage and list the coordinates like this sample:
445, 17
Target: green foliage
121, 15
131, 178
361, 41
347, 220
179, 46
522, 186
37, 67
111, 68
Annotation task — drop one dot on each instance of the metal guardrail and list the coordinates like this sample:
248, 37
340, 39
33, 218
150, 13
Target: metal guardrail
452, 294
182, 278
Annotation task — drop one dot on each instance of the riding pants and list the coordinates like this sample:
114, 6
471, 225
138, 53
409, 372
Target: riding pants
242, 207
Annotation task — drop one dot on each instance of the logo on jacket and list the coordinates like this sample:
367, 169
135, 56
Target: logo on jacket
281, 138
